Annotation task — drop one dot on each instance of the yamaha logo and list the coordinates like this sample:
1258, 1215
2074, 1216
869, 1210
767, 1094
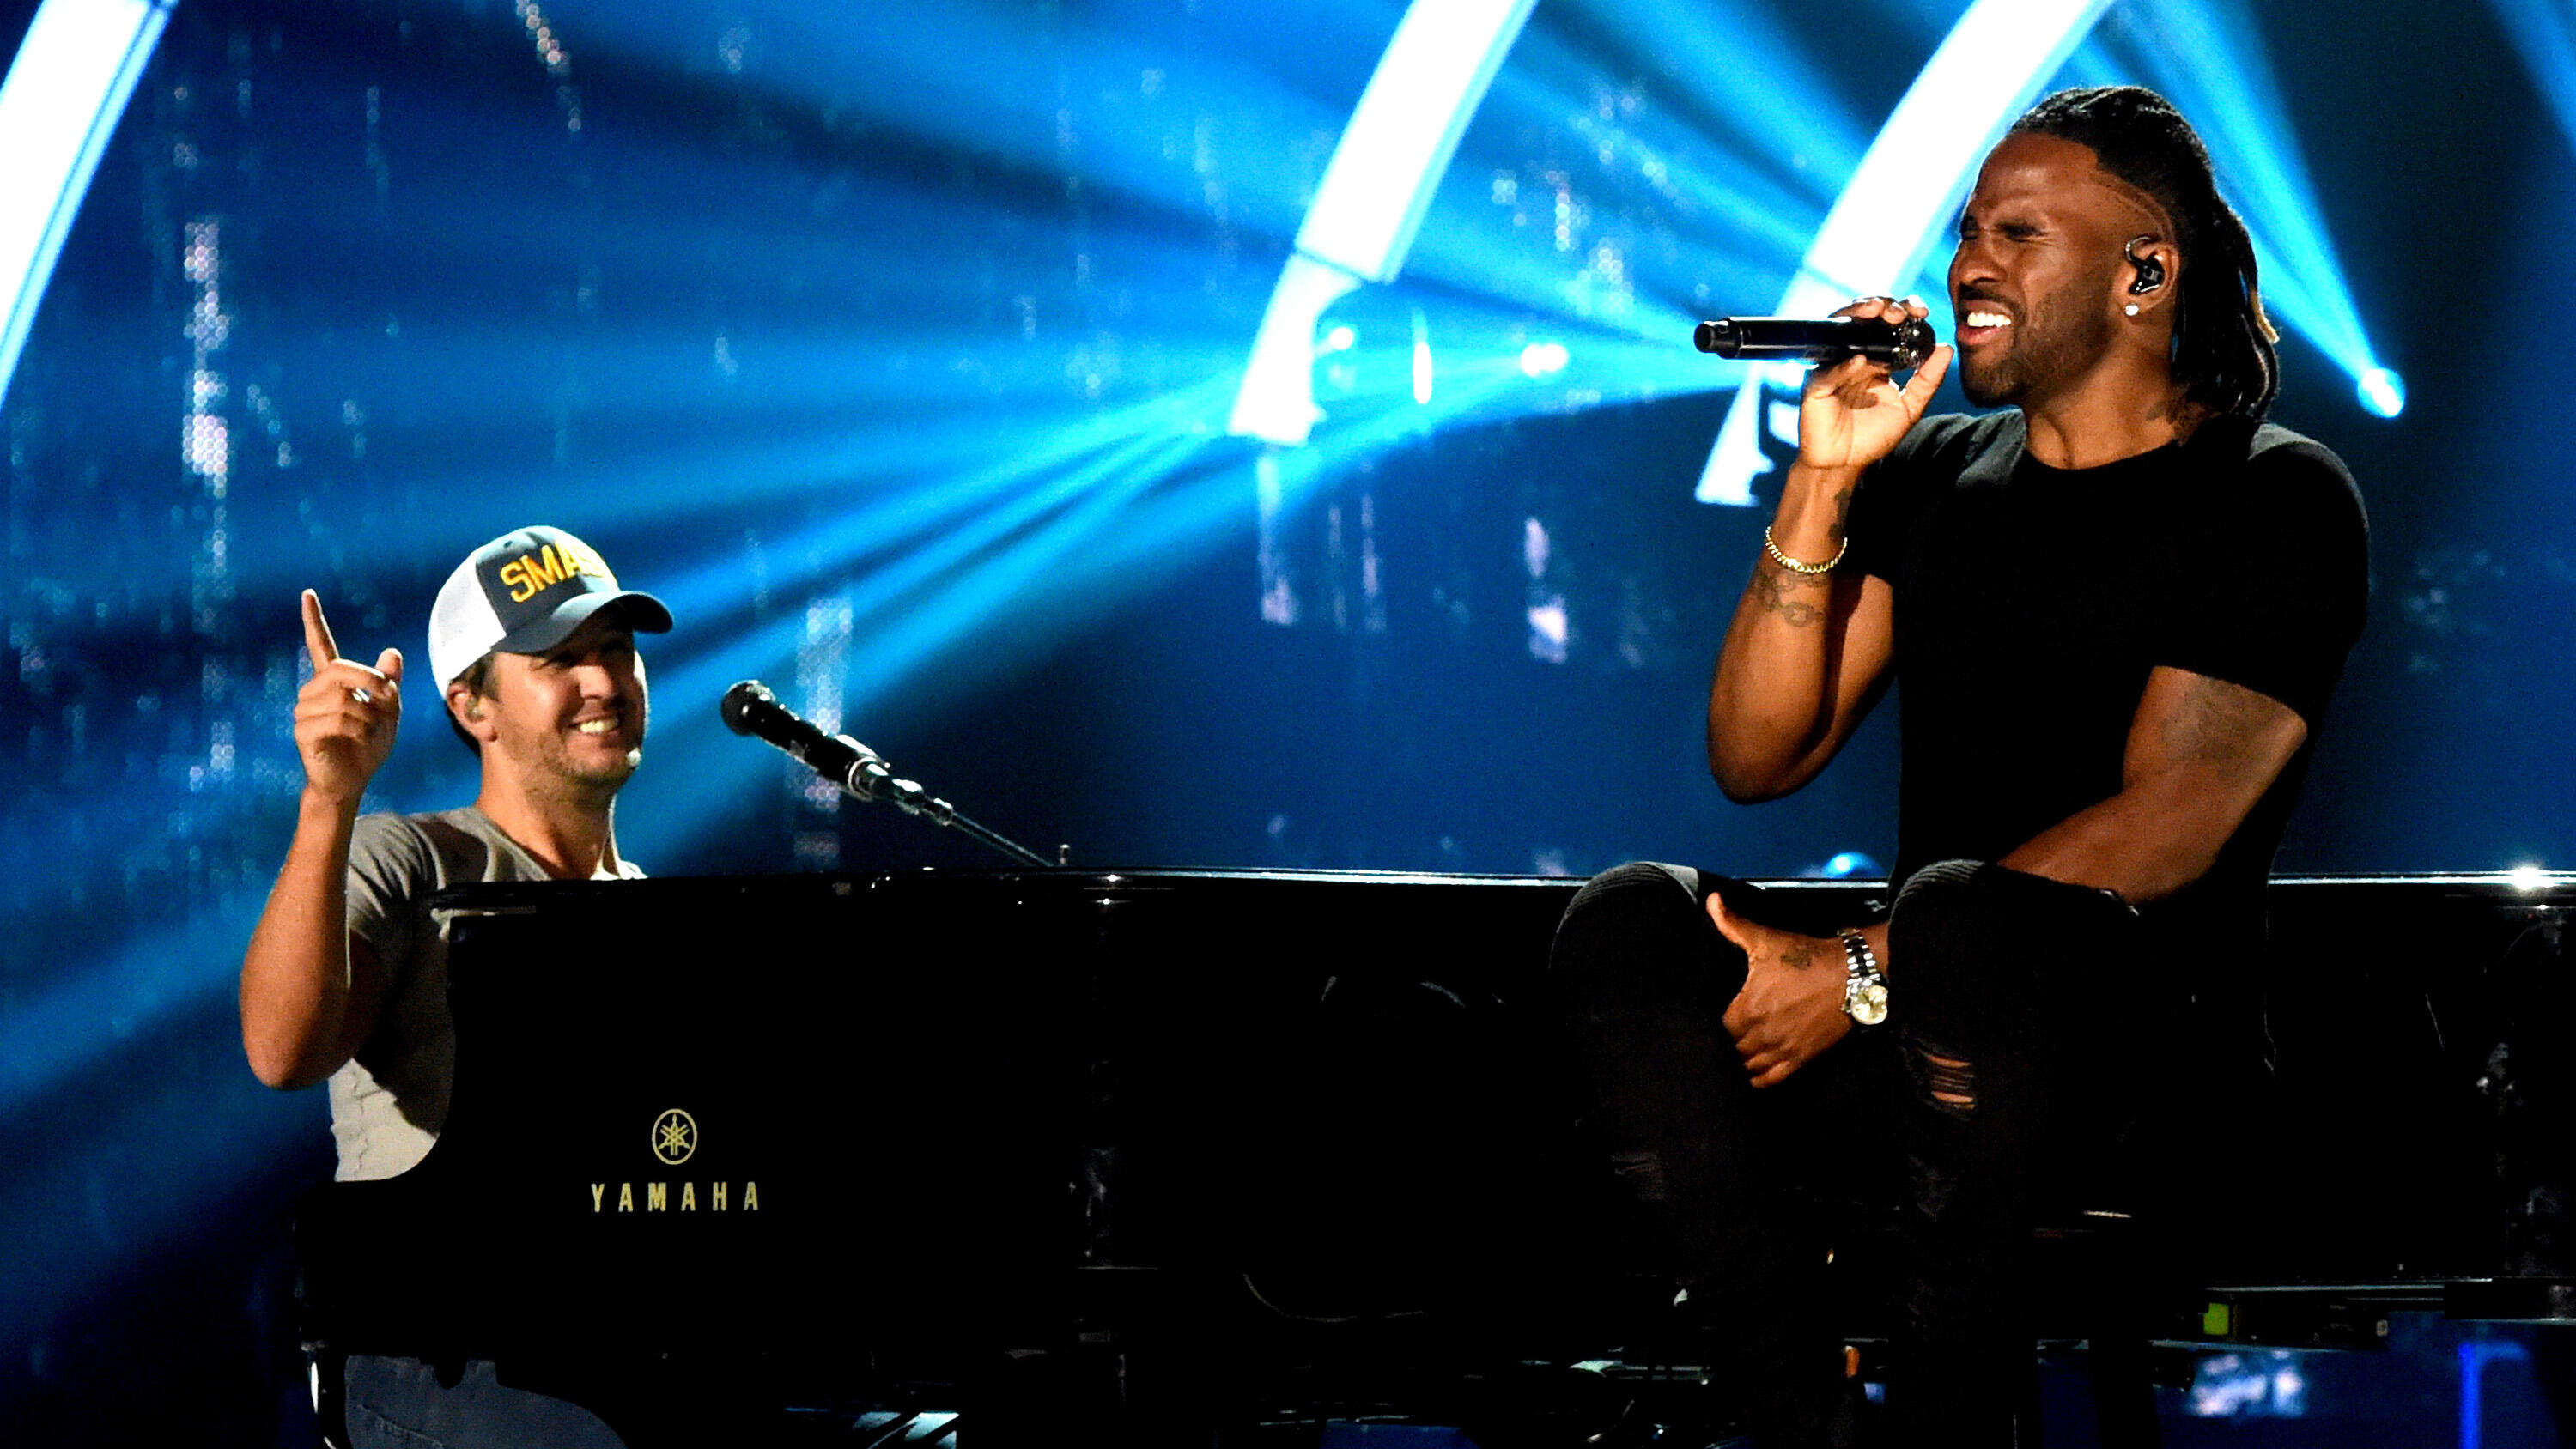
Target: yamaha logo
675, 1137
675, 1140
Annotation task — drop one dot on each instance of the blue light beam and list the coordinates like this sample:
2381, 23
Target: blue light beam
1729, 212
65, 92
2544, 33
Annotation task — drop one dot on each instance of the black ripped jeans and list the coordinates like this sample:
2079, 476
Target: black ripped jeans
2010, 1082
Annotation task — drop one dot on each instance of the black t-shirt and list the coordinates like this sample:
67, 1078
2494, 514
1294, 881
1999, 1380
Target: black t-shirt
2032, 602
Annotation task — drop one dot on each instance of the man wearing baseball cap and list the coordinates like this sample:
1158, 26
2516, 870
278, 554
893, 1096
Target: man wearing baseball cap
532, 645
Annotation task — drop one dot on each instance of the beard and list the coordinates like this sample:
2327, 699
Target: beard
553, 770
2046, 348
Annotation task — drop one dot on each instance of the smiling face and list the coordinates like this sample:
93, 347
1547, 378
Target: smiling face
568, 722
2038, 278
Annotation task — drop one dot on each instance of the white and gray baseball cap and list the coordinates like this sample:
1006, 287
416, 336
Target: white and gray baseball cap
525, 592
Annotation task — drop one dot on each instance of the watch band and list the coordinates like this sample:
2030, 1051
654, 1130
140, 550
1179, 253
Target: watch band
1864, 986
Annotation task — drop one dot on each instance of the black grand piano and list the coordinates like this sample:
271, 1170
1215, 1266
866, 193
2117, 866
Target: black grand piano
1134, 1157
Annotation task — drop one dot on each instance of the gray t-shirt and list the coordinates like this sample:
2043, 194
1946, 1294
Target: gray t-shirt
390, 1100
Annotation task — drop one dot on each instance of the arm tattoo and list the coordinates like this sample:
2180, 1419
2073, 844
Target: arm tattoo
1842, 513
2222, 725
1774, 585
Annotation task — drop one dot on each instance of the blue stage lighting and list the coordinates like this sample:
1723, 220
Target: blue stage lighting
1743, 71
131, 987
2544, 31
155, 1166
1405, 129
1852, 864
65, 91
2383, 392
1542, 358
2476, 1354
1421, 361
2249, 1384
1481, 357
1277, 401
1688, 201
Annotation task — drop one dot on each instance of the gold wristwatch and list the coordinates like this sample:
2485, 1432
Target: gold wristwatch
1865, 988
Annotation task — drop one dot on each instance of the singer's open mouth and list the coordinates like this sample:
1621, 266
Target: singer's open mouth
1982, 323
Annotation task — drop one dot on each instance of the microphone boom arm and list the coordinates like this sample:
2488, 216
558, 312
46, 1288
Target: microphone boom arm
909, 797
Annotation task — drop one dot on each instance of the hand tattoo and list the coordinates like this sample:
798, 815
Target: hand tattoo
1800, 956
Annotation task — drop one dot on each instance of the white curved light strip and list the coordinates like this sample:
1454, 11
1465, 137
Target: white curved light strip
65, 91
1891, 212
1373, 196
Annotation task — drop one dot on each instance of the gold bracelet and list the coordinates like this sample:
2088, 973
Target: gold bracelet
1795, 567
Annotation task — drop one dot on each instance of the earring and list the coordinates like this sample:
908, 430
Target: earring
2131, 309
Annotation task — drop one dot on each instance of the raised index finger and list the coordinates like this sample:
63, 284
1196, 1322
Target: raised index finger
317, 633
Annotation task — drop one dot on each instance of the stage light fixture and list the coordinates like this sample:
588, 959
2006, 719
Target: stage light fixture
2383, 392
1540, 359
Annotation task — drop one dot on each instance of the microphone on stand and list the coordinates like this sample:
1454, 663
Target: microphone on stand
1818, 339
750, 709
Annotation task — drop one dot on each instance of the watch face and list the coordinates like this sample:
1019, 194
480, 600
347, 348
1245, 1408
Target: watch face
1867, 1002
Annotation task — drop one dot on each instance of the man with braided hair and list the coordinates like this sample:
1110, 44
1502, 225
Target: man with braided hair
2116, 608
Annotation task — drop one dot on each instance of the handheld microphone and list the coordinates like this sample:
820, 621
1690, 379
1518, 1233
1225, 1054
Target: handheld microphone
750, 709
1818, 339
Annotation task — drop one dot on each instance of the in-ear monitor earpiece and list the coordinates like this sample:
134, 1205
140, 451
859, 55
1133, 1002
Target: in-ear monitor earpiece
2151, 271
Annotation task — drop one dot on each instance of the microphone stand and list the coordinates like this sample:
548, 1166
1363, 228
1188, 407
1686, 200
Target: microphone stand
873, 780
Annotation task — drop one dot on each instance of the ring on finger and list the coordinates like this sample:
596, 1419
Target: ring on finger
362, 696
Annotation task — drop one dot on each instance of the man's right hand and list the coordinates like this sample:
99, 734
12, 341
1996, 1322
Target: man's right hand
345, 717
1810, 643
1853, 413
